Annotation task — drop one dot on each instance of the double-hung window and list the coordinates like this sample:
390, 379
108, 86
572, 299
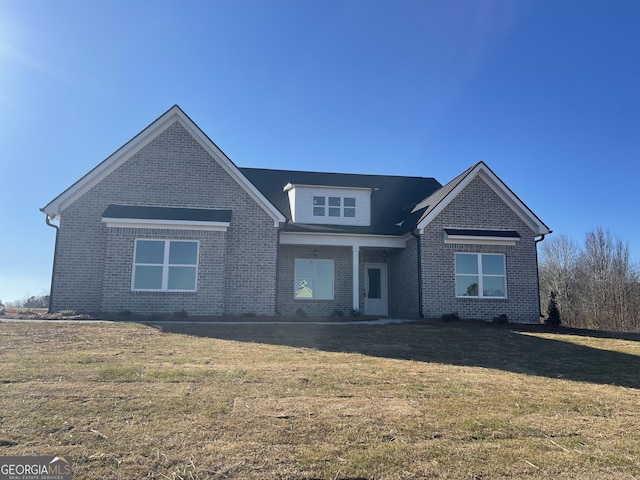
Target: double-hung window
313, 279
165, 266
480, 275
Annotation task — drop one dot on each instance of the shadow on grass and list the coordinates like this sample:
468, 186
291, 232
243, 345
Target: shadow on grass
513, 349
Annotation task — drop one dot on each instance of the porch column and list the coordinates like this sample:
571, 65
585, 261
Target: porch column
356, 276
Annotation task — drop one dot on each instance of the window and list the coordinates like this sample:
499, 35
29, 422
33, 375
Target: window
480, 275
318, 206
313, 279
338, 206
165, 266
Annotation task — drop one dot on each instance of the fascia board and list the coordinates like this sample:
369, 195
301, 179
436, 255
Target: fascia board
98, 173
289, 186
226, 163
501, 189
341, 240
109, 164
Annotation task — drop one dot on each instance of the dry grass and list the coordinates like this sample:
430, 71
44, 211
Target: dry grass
293, 401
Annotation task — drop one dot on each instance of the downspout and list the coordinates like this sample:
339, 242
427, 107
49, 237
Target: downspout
419, 254
537, 241
55, 252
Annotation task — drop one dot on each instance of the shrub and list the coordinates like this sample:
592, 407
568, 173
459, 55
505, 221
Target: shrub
181, 314
553, 314
337, 313
301, 313
355, 313
124, 313
450, 317
62, 313
501, 319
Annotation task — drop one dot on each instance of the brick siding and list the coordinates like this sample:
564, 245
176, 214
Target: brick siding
479, 207
173, 170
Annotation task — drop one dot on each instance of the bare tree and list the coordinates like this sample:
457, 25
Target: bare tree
596, 286
558, 262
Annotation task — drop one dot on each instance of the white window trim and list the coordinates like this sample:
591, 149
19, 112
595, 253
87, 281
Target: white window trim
326, 207
333, 280
165, 266
480, 275
165, 224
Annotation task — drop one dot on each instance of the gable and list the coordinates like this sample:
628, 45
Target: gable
174, 116
430, 207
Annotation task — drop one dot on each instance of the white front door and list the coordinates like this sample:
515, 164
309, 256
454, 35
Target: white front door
375, 289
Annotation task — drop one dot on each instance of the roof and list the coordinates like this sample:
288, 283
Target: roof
167, 213
393, 197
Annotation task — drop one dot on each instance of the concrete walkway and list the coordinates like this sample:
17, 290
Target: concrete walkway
378, 321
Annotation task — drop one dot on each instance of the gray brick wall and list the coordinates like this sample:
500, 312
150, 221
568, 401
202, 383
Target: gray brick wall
172, 170
479, 207
403, 282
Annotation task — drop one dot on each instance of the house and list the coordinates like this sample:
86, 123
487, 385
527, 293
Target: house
168, 222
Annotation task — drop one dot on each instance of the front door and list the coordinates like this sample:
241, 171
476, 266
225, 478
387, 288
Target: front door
375, 289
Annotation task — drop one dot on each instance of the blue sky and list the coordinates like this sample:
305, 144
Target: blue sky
546, 92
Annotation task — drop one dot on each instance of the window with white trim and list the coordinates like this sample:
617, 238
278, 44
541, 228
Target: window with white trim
332, 206
480, 275
313, 279
165, 266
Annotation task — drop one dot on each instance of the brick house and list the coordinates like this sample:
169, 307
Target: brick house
168, 222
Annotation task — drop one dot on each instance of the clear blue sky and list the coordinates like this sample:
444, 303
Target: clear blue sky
546, 92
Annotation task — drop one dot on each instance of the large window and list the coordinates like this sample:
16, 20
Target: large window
165, 266
313, 279
334, 206
480, 275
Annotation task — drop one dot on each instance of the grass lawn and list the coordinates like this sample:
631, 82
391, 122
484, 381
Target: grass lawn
428, 400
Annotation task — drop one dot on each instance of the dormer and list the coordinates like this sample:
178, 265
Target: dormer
327, 205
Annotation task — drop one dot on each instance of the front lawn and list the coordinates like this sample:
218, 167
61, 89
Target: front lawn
427, 400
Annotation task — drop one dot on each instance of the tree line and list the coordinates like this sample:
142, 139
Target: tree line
595, 285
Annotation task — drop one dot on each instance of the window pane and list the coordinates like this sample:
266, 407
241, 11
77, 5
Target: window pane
334, 201
349, 212
492, 264
349, 202
324, 289
374, 283
318, 200
466, 286
150, 251
493, 287
466, 263
304, 268
334, 212
183, 253
303, 289
182, 278
318, 211
147, 278
324, 269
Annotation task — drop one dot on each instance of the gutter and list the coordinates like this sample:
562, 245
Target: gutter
55, 252
537, 241
419, 254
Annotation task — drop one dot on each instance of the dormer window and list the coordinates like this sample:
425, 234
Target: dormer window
334, 206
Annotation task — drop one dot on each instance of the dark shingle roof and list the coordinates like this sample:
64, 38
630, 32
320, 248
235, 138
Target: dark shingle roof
167, 213
393, 197
482, 233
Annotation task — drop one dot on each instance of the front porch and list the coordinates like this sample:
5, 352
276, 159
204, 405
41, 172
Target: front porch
362, 269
